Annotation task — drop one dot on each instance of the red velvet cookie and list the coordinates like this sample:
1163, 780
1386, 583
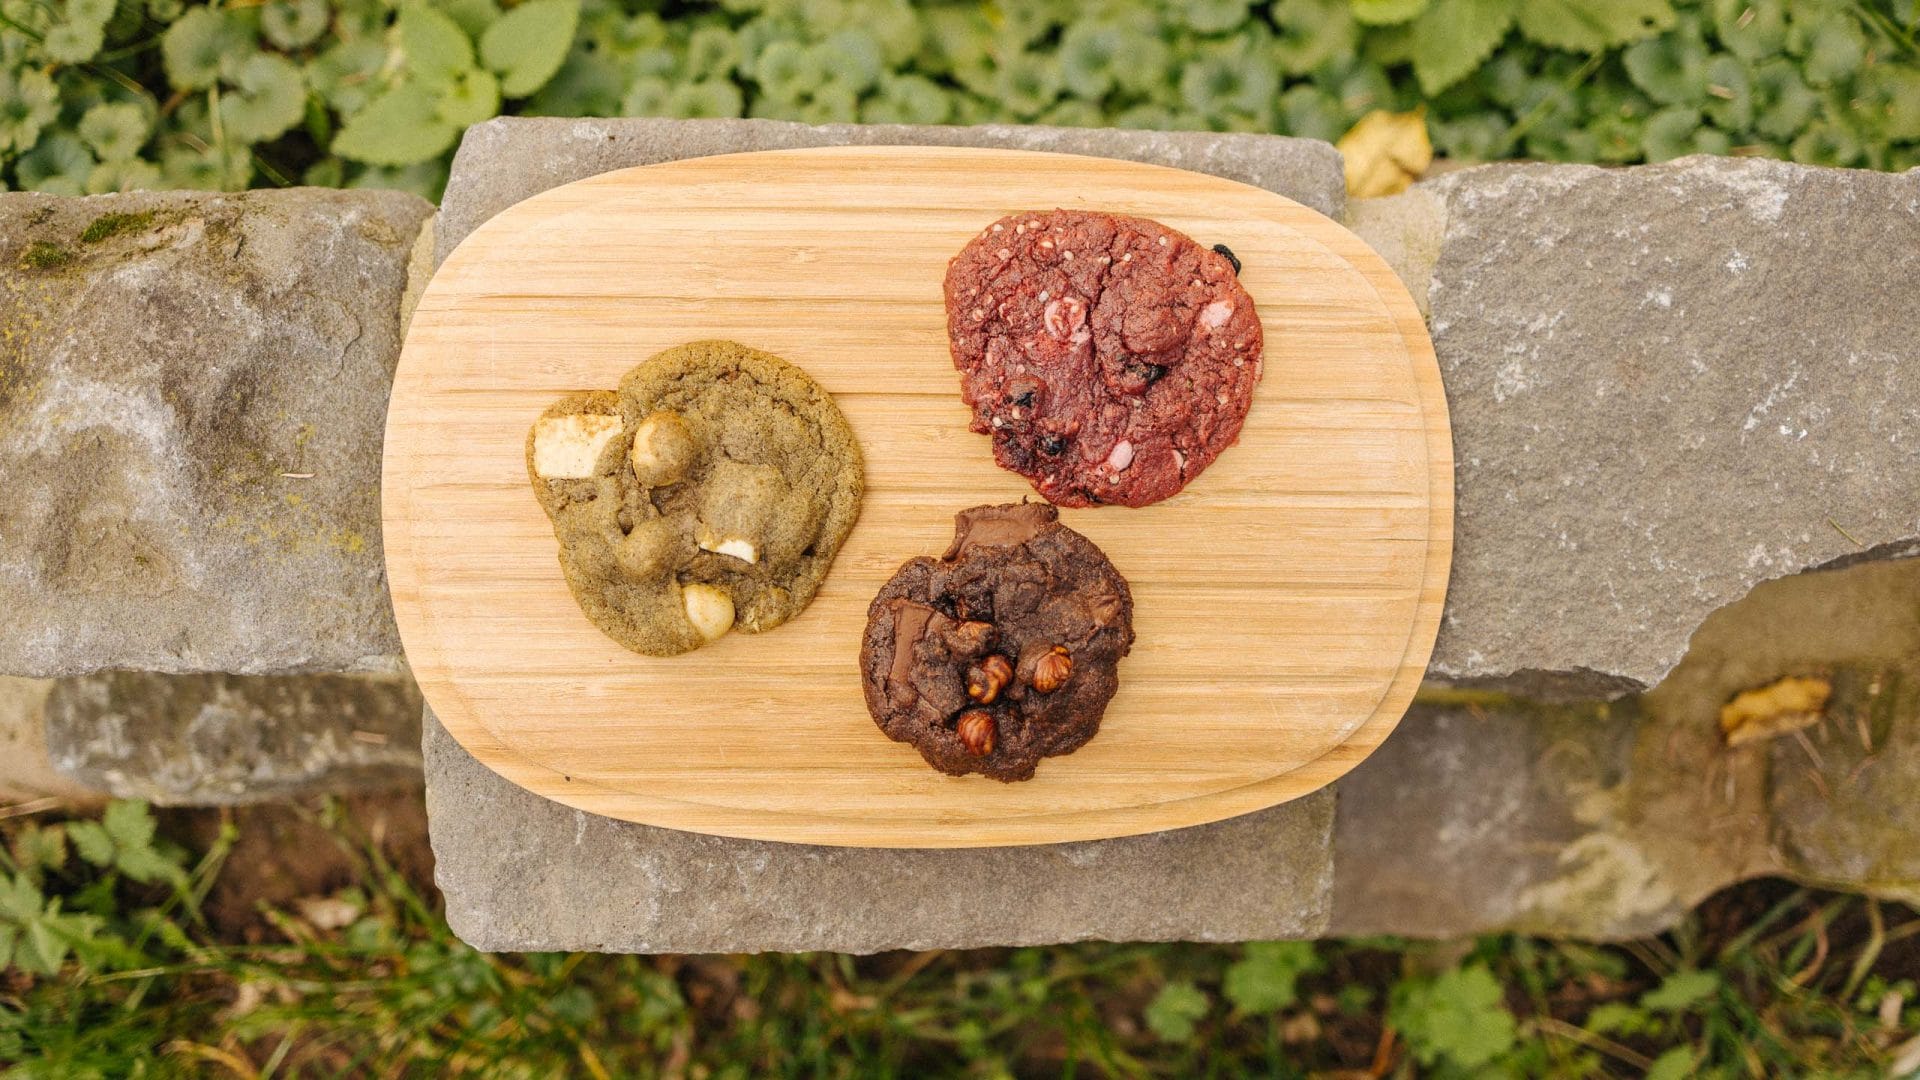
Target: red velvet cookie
1110, 358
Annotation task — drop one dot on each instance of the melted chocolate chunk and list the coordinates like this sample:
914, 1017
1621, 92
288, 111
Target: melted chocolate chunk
1043, 619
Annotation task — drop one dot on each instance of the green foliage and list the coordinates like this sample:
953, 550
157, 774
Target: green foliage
1266, 976
1682, 990
107, 975
1459, 1017
122, 840
1175, 1010
97, 96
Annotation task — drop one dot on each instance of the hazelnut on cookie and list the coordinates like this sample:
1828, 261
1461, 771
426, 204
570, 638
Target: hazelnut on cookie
710, 492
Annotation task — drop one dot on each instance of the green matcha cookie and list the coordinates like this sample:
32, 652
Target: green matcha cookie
711, 491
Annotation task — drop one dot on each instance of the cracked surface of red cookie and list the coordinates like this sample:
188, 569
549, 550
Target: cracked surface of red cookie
1110, 358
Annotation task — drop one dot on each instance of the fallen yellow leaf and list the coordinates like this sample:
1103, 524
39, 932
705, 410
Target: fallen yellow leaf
1792, 703
1385, 152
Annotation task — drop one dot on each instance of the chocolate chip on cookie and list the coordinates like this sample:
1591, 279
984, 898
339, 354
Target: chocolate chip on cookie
1002, 651
1110, 358
711, 491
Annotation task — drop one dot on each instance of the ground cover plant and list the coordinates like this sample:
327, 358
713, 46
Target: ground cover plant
132, 951
111, 95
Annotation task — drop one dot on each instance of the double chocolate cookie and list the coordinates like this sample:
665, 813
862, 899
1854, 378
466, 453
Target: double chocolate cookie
711, 491
1110, 358
1002, 651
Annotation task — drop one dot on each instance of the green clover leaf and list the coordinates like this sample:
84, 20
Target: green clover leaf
469, 99
1267, 974
854, 57
1783, 104
437, 50
1681, 990
1459, 1017
28, 103
106, 178
74, 42
343, 75
646, 97
1217, 16
1312, 32
1672, 68
712, 53
115, 131
267, 98
1593, 25
95, 12
705, 98
1387, 12
400, 127
473, 16
194, 47
1453, 37
526, 45
293, 24
1175, 1010
209, 169
907, 99
1090, 54
1751, 29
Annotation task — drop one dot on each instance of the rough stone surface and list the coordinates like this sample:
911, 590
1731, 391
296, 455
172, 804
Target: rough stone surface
172, 369
26, 770
1668, 384
1497, 818
506, 160
1405, 230
520, 872
212, 740
1488, 813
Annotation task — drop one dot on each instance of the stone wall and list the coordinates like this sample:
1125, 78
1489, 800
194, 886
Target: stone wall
1684, 404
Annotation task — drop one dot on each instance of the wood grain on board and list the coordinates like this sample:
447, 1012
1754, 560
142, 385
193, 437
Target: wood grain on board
1285, 602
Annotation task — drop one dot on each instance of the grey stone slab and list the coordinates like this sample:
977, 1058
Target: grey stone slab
1843, 812
26, 769
1405, 230
520, 872
215, 740
191, 402
1668, 384
1492, 819
1486, 813
508, 159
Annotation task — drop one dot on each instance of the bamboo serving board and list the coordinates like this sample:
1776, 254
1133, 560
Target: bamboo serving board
1285, 602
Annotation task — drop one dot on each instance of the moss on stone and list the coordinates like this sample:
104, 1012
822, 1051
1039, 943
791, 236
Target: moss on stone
108, 226
41, 255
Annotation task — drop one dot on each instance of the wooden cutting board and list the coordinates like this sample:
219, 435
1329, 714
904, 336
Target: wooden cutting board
1285, 603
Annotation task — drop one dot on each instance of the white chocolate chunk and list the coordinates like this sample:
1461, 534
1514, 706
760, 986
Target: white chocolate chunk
737, 546
566, 447
709, 609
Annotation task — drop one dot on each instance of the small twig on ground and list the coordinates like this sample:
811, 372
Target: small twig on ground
1870, 952
1382, 1052
32, 807
1593, 1042
1851, 539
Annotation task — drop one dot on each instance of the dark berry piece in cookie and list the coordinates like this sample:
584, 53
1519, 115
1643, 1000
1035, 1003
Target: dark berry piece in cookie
1110, 358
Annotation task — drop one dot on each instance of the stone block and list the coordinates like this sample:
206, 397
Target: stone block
192, 394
